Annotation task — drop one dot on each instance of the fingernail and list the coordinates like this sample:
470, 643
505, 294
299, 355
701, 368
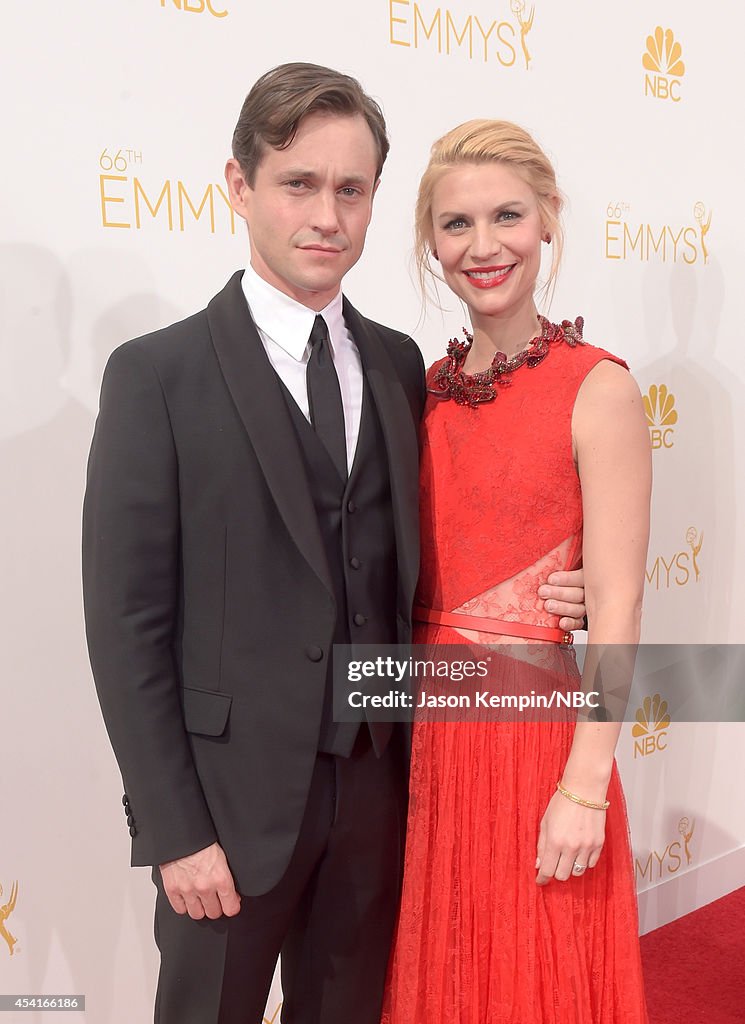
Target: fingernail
537, 863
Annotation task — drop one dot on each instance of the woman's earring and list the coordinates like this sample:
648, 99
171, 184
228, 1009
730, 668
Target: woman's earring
434, 253
547, 238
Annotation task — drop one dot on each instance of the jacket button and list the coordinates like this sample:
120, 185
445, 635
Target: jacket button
355, 562
314, 653
351, 507
125, 799
130, 820
132, 830
360, 620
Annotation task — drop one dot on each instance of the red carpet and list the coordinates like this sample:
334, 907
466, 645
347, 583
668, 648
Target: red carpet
695, 967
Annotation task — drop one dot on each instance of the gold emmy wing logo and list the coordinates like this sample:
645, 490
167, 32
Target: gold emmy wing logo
681, 567
683, 241
659, 406
650, 729
6, 909
704, 223
128, 200
686, 829
274, 1017
663, 64
695, 540
457, 32
660, 864
525, 24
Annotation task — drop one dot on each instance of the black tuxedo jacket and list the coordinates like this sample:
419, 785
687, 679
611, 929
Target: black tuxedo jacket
208, 601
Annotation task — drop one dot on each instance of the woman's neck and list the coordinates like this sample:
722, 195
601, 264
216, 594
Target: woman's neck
496, 334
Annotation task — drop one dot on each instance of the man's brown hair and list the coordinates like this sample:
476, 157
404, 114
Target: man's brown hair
281, 98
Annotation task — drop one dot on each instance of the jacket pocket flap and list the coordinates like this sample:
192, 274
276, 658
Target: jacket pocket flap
206, 711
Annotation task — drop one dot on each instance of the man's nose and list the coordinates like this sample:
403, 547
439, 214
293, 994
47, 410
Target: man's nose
324, 213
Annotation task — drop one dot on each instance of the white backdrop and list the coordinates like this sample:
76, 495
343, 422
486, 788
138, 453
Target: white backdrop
109, 107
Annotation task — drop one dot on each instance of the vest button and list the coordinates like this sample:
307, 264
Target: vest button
355, 562
132, 831
360, 620
314, 653
351, 507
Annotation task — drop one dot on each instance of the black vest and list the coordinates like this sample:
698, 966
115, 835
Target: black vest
356, 523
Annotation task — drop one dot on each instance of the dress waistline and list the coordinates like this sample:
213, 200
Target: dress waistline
482, 624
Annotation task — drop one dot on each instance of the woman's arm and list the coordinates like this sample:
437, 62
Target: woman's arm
613, 457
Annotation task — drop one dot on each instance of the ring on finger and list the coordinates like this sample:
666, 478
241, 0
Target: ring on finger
578, 868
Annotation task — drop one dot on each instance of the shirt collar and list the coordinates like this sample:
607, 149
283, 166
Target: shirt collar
286, 321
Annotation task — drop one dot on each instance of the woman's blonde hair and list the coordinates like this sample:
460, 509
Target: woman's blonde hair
484, 141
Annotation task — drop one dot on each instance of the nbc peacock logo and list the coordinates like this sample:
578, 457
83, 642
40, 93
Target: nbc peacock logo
659, 406
195, 7
650, 727
662, 60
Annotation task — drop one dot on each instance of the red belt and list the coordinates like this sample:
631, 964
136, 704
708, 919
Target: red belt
485, 625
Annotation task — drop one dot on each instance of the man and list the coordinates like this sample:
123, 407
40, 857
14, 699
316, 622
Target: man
252, 501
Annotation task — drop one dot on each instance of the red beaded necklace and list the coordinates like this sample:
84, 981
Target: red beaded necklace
473, 388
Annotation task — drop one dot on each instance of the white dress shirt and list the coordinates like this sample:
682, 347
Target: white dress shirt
284, 327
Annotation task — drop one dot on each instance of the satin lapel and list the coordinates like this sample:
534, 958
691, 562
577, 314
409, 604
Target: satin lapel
256, 391
400, 433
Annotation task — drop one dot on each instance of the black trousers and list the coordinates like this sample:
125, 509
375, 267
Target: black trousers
331, 916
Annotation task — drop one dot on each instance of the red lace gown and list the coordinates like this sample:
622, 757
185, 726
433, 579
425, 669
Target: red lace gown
478, 942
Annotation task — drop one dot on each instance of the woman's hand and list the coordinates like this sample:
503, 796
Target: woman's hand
569, 835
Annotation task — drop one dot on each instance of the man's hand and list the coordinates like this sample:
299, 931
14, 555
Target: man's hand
201, 884
564, 594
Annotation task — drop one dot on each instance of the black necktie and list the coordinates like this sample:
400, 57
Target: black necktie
324, 397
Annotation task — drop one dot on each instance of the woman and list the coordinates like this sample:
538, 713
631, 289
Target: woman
518, 904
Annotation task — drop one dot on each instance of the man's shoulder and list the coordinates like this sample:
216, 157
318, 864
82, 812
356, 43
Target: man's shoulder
399, 345
173, 341
191, 335
389, 334
402, 351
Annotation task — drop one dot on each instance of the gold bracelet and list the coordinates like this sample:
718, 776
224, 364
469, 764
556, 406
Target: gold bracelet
584, 803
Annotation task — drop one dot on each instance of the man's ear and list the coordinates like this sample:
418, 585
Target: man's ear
239, 191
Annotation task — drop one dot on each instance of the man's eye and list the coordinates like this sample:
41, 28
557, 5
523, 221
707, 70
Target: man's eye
295, 183
349, 190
